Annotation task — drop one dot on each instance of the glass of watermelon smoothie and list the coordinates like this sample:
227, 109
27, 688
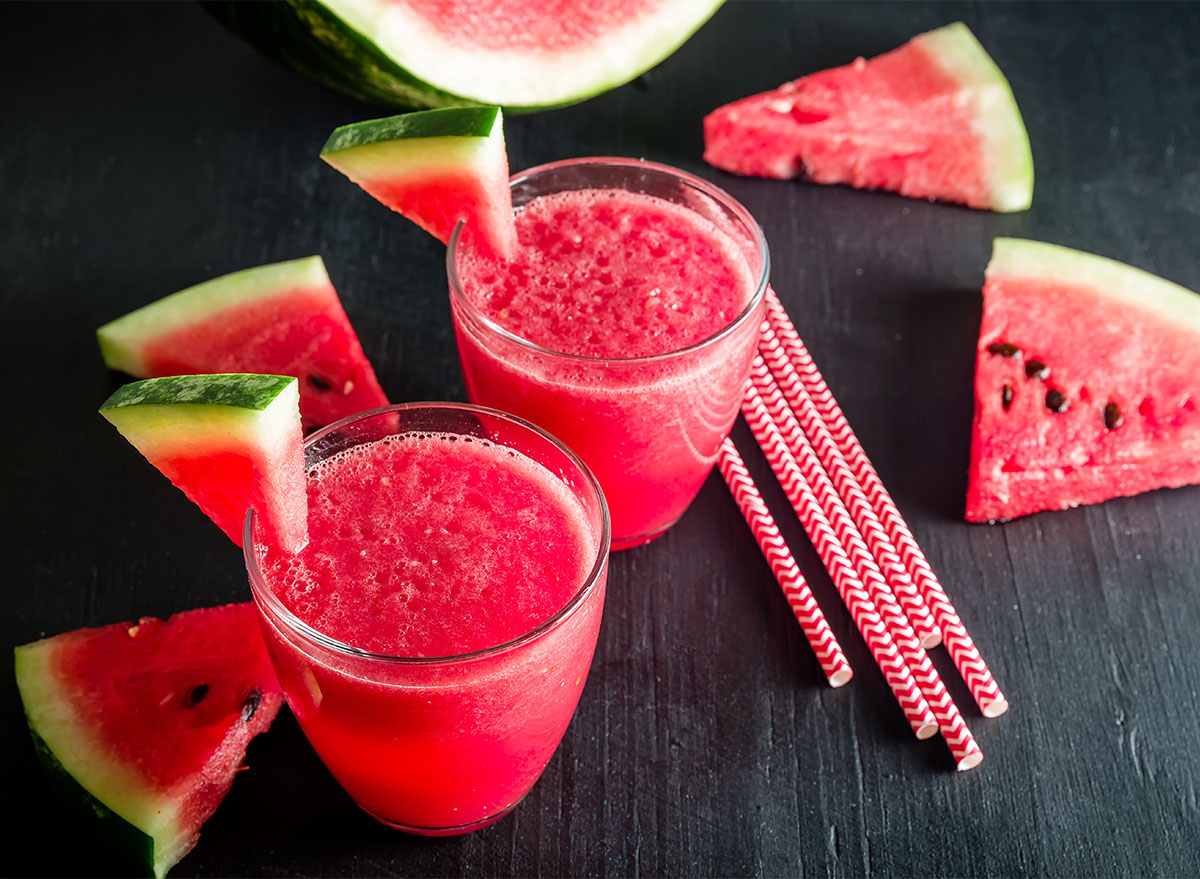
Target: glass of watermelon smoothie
434, 636
625, 325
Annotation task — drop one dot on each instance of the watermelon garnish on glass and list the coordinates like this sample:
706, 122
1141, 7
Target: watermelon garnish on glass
284, 319
934, 119
229, 442
1087, 382
144, 727
520, 54
435, 167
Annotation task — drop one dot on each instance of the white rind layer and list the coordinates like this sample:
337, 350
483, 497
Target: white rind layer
421, 158
996, 118
51, 715
1022, 258
121, 341
524, 77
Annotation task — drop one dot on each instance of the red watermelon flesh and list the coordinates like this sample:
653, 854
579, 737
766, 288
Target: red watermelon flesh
1087, 383
933, 119
545, 27
436, 167
281, 319
152, 720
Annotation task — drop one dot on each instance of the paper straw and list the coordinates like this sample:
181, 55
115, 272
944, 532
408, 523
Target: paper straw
961, 648
870, 624
783, 565
878, 543
817, 503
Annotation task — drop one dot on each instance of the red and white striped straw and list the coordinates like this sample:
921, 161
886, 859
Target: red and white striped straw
783, 565
879, 544
870, 624
821, 511
962, 649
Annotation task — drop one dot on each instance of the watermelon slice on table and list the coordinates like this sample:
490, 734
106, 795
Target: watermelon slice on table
229, 442
933, 119
520, 54
284, 319
435, 167
144, 727
1087, 382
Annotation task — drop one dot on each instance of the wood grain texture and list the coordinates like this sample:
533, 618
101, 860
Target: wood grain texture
143, 149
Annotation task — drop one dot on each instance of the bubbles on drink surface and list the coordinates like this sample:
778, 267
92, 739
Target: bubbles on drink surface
602, 273
426, 544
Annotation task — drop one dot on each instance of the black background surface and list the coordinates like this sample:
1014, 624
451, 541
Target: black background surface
143, 149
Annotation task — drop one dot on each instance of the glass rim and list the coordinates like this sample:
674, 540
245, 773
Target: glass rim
723, 198
263, 593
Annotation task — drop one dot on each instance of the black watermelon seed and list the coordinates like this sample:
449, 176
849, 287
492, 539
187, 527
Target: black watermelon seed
1056, 400
1037, 369
197, 695
1006, 396
1112, 416
1004, 349
250, 706
319, 383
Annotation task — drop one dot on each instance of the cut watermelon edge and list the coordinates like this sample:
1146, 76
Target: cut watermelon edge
398, 162
383, 156
228, 412
996, 116
117, 797
122, 340
417, 55
1126, 284
456, 122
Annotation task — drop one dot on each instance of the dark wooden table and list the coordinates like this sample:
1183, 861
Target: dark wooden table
143, 149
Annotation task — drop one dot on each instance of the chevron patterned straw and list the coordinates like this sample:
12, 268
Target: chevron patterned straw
866, 617
783, 566
872, 532
961, 648
817, 503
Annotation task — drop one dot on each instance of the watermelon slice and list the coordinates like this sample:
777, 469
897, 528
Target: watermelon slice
520, 54
145, 726
284, 319
229, 442
1086, 385
435, 167
932, 119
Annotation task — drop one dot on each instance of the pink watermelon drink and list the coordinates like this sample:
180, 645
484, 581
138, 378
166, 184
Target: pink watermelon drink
435, 634
625, 325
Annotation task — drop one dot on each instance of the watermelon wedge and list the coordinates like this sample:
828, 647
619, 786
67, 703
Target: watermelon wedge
933, 119
1087, 382
229, 442
435, 167
520, 54
144, 726
283, 319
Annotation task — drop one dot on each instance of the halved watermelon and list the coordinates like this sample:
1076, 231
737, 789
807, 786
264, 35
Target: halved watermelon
145, 726
284, 319
1087, 382
435, 167
229, 442
932, 119
520, 54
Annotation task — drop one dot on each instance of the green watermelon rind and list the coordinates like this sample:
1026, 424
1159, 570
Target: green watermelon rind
334, 46
466, 122
416, 145
996, 117
231, 396
132, 819
123, 340
1122, 283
